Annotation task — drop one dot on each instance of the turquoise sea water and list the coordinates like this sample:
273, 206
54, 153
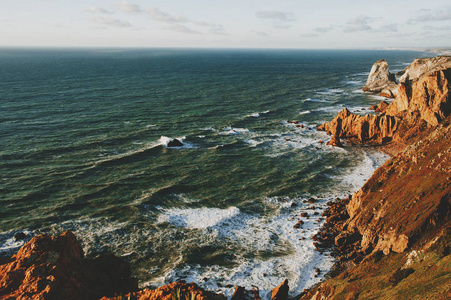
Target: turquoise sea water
83, 147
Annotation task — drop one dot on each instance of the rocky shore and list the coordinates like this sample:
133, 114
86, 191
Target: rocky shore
392, 238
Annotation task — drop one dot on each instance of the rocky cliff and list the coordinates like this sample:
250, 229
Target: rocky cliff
393, 236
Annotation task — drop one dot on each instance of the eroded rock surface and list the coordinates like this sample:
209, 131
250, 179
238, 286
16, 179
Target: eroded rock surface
381, 80
54, 267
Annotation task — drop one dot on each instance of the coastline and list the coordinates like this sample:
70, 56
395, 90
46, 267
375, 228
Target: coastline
392, 150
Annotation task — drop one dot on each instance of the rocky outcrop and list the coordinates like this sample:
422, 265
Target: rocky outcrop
175, 290
381, 80
429, 95
420, 103
362, 129
54, 267
280, 292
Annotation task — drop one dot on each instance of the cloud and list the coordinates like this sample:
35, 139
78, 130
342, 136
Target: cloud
309, 35
97, 10
218, 30
261, 33
389, 28
323, 29
359, 23
438, 28
162, 16
183, 29
429, 16
275, 15
110, 21
127, 7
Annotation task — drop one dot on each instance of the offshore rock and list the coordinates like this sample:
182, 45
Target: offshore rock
380, 79
175, 143
54, 267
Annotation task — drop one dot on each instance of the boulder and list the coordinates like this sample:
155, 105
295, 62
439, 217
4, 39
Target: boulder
381, 79
280, 292
175, 143
54, 267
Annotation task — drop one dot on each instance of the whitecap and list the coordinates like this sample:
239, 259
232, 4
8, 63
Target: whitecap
197, 218
254, 115
305, 112
314, 100
233, 131
164, 141
8, 243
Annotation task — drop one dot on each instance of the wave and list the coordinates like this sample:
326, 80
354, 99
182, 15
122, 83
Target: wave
305, 112
198, 218
314, 100
234, 131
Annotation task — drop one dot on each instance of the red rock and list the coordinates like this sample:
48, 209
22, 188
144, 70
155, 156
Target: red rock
334, 141
166, 292
280, 292
54, 267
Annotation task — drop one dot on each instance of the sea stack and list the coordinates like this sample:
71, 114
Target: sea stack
381, 80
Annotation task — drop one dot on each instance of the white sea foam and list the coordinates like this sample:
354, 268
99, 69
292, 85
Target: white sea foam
354, 82
305, 112
198, 218
357, 176
257, 234
314, 100
254, 115
233, 131
9, 245
331, 91
164, 141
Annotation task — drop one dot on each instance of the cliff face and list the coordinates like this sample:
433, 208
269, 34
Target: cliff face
394, 242
420, 103
397, 237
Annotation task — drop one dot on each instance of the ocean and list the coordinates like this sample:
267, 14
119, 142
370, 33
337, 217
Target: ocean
84, 147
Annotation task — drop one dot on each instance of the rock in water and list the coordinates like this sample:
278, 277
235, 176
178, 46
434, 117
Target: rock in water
380, 79
175, 143
280, 292
54, 267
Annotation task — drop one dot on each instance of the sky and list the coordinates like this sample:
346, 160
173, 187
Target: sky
312, 24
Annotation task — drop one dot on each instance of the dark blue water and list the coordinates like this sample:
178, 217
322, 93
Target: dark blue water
83, 147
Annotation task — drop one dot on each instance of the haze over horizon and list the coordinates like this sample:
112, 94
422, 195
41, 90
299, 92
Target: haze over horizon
232, 24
